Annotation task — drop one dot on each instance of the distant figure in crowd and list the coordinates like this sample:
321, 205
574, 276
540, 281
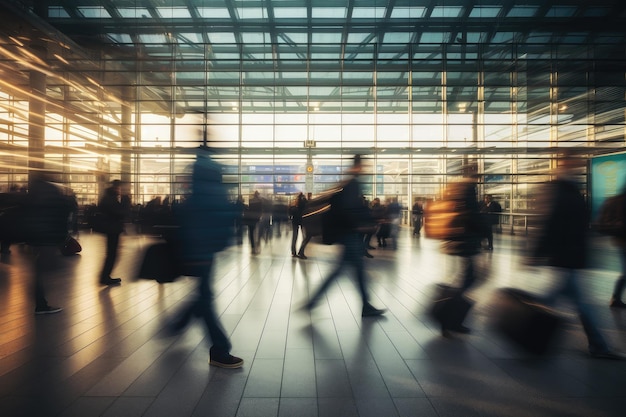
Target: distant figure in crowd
252, 216
46, 213
240, 208
206, 227
417, 211
280, 215
377, 213
394, 214
350, 216
563, 244
114, 207
489, 209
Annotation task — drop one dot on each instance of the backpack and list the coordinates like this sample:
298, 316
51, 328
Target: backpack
443, 220
611, 217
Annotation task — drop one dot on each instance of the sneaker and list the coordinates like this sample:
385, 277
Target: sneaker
371, 311
615, 302
226, 361
111, 281
47, 310
606, 354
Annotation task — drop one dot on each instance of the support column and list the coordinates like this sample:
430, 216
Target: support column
36, 124
128, 93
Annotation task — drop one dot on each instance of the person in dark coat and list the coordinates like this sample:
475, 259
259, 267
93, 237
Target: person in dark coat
252, 216
206, 227
46, 212
306, 235
114, 208
351, 217
418, 213
297, 211
489, 209
563, 244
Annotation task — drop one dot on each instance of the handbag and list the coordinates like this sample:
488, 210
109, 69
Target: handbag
70, 246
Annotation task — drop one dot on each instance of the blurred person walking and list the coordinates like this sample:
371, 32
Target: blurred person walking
114, 207
563, 244
45, 216
350, 215
206, 222
296, 211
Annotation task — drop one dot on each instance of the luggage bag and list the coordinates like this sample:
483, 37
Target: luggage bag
449, 307
522, 319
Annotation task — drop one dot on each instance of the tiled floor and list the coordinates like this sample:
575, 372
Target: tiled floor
105, 353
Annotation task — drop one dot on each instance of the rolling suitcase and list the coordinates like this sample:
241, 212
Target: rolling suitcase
159, 263
449, 307
522, 319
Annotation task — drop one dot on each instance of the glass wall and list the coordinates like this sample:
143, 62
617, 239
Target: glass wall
287, 106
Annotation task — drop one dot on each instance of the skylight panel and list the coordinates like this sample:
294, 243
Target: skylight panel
222, 37
120, 37
435, 37
191, 37
408, 12
173, 12
596, 12
213, 12
153, 38
501, 37
368, 12
294, 37
575, 37
446, 11
255, 37
322, 37
522, 11
325, 55
485, 11
328, 12
94, 12
397, 37
57, 12
561, 11
290, 12
358, 37
225, 56
252, 12
133, 12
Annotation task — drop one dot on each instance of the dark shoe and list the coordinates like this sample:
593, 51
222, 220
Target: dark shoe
225, 360
111, 281
617, 303
302, 256
47, 310
371, 311
606, 354
368, 255
460, 329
